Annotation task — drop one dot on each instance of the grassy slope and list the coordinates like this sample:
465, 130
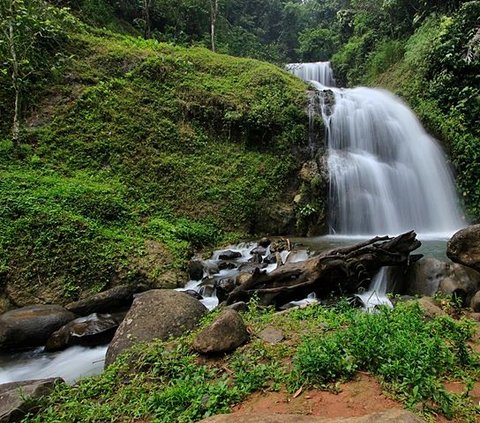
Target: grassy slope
167, 382
137, 153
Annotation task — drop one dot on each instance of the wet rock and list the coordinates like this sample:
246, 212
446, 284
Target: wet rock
229, 255
250, 267
475, 302
424, 277
211, 267
225, 334
464, 247
207, 290
280, 245
259, 250
226, 265
195, 270
264, 242
227, 284
156, 314
389, 416
95, 329
271, 335
31, 326
107, 301
270, 259
193, 294
16, 397
223, 287
256, 258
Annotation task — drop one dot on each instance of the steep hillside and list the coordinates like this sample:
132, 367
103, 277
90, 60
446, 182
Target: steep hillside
133, 154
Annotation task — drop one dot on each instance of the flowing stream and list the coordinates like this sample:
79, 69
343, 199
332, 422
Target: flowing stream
386, 174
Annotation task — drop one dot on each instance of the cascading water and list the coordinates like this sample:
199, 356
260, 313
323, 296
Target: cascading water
387, 175
319, 72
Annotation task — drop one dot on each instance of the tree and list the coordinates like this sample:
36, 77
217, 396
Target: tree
213, 20
29, 34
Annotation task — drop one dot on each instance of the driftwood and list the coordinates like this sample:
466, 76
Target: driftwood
341, 271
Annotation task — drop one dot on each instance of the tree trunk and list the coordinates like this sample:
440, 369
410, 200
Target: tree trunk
146, 17
15, 84
213, 20
340, 271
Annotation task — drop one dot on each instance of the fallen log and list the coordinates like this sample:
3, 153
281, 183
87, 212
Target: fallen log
339, 271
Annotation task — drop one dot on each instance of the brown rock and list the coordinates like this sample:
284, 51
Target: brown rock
107, 301
464, 247
225, 334
475, 302
389, 416
430, 308
31, 326
155, 314
15, 397
271, 335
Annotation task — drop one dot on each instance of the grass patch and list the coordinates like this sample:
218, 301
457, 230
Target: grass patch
164, 382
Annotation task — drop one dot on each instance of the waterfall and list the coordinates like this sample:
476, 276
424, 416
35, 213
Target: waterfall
319, 72
387, 175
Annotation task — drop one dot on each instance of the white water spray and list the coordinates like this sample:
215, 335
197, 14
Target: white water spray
71, 364
387, 175
319, 72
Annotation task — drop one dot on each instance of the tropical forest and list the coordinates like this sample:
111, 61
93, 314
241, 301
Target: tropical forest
257, 211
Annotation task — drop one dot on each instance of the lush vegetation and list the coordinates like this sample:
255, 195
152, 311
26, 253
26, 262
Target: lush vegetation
133, 153
428, 51
166, 382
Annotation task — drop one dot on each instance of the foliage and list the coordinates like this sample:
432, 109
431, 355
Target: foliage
135, 154
165, 381
411, 356
30, 32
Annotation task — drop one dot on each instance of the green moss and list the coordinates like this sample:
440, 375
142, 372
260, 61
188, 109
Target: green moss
136, 153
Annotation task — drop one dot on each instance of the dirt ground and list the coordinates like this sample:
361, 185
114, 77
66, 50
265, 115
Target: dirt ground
359, 397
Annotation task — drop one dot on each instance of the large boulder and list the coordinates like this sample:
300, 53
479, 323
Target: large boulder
16, 397
225, 334
31, 326
462, 282
155, 314
429, 276
107, 301
424, 276
464, 247
475, 302
92, 330
388, 416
